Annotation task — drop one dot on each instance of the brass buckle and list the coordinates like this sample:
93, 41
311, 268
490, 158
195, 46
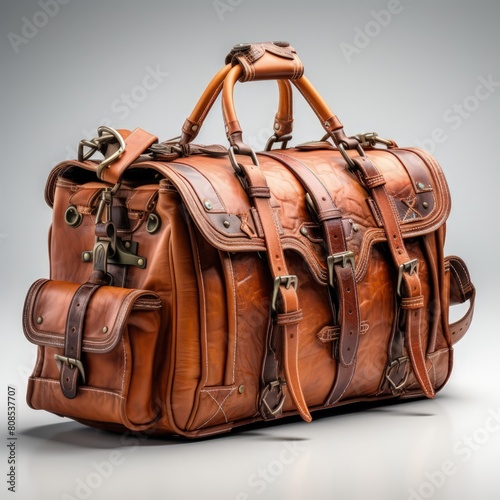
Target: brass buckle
342, 258
350, 164
236, 165
371, 138
287, 282
410, 267
71, 362
274, 139
105, 135
265, 409
397, 363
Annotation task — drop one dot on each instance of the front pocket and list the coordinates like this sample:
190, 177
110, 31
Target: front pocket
120, 334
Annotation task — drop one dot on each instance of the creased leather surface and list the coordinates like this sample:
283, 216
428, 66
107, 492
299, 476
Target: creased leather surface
207, 264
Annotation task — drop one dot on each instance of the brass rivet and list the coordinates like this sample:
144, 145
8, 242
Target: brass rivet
194, 128
304, 231
355, 228
140, 262
208, 205
425, 204
127, 244
105, 329
241, 389
276, 126
39, 320
86, 256
420, 185
226, 223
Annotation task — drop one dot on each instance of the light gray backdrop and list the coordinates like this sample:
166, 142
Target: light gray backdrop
421, 72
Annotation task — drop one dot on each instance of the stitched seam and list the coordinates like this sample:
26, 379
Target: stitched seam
219, 405
235, 315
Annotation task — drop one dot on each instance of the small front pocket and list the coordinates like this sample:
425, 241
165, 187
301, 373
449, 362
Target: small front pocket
120, 334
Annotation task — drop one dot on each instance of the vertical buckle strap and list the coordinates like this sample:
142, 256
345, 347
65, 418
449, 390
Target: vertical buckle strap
341, 271
281, 352
71, 367
408, 285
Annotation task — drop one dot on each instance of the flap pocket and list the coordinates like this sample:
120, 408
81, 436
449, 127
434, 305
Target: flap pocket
120, 336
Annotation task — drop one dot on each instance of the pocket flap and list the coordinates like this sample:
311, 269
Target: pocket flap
46, 310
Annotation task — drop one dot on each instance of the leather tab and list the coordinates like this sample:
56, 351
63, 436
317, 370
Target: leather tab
135, 144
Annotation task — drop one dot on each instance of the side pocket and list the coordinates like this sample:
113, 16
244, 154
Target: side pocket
120, 333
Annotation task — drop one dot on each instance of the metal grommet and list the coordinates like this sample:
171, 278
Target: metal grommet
72, 216
153, 224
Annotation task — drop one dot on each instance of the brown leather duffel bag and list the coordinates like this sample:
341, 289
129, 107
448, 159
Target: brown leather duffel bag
196, 288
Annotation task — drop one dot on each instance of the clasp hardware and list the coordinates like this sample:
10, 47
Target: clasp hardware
396, 366
410, 267
342, 258
287, 282
105, 135
265, 409
369, 139
72, 363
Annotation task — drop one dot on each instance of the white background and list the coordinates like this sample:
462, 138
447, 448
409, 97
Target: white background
408, 79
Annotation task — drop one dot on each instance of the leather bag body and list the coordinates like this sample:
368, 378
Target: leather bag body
197, 288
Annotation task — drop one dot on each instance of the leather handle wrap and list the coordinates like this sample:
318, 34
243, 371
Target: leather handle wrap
266, 61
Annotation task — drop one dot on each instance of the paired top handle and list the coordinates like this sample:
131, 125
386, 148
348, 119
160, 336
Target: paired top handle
263, 61
246, 62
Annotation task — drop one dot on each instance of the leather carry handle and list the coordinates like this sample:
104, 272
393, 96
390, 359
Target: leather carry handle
283, 121
327, 118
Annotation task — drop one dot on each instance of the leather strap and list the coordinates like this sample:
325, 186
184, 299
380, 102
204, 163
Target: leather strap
461, 290
71, 368
192, 125
409, 286
342, 278
137, 142
287, 314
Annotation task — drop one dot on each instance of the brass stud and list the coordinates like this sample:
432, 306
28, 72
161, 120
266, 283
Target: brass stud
425, 204
105, 329
208, 205
304, 231
126, 244
226, 223
420, 185
86, 256
241, 389
39, 320
355, 227
140, 262
194, 128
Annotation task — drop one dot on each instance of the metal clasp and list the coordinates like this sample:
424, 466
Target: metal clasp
343, 259
287, 282
236, 165
410, 267
350, 164
395, 367
105, 135
71, 362
371, 138
265, 409
274, 139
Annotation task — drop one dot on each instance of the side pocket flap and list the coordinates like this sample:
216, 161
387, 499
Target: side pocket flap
46, 310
